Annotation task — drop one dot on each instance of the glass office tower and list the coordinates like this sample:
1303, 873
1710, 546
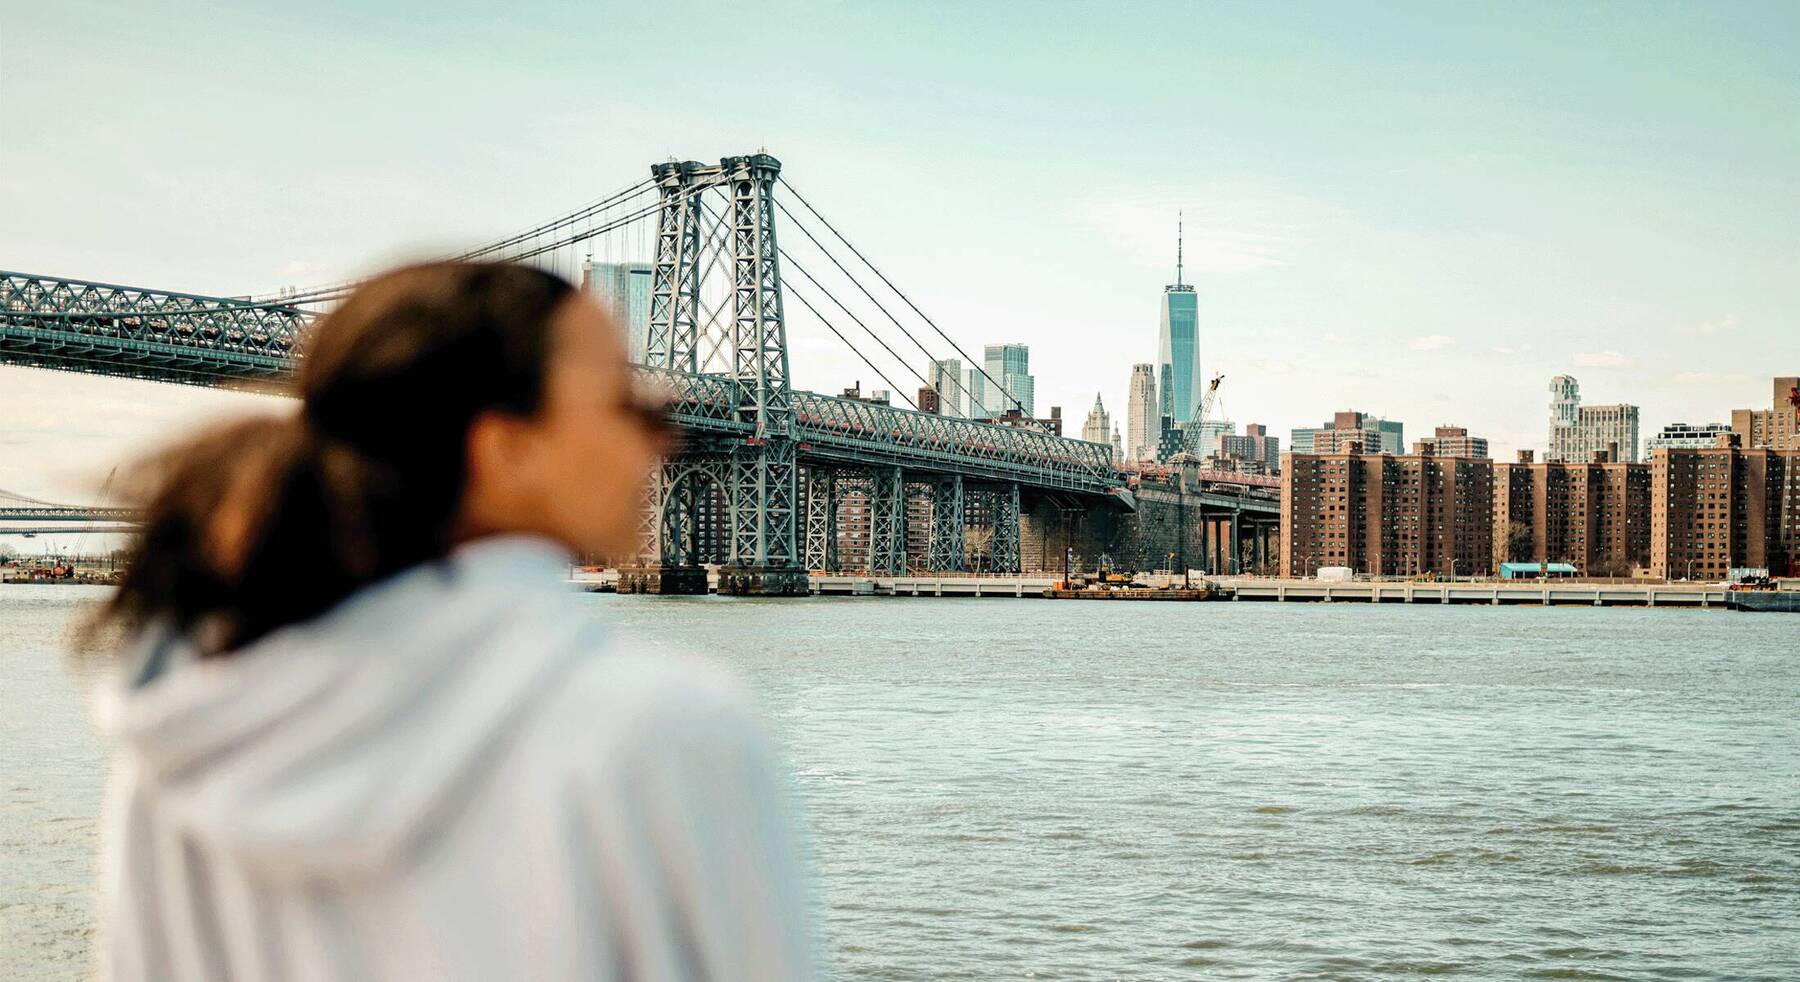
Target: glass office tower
1010, 366
625, 288
1178, 358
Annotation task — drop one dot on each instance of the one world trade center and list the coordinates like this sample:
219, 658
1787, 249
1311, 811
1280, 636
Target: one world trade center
1178, 360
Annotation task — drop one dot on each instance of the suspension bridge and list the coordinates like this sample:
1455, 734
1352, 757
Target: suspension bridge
27, 516
771, 482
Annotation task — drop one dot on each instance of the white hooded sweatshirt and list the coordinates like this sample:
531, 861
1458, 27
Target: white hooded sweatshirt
454, 774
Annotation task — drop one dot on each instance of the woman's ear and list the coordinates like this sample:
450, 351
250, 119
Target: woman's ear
497, 455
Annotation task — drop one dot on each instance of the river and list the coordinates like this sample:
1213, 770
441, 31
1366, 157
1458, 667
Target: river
1014, 788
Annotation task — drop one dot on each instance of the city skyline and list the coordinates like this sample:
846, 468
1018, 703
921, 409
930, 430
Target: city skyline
1425, 260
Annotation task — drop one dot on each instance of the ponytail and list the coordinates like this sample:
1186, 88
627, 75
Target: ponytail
263, 522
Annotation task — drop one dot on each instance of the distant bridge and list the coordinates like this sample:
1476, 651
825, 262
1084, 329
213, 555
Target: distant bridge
15, 507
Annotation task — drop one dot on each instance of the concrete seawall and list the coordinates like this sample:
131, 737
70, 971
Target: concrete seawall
1258, 589
1498, 594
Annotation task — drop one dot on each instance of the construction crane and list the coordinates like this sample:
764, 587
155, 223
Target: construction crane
1190, 434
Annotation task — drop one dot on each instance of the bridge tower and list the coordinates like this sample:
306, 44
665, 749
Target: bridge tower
749, 347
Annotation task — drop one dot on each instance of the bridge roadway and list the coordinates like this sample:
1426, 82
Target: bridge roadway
832, 430
28, 531
66, 513
194, 339
134, 332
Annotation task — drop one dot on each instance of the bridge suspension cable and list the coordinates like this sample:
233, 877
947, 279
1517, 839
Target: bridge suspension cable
495, 250
890, 285
854, 349
794, 220
871, 297
586, 211
13, 499
795, 264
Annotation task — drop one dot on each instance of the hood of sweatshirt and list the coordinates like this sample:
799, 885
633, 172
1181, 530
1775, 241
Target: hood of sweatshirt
337, 745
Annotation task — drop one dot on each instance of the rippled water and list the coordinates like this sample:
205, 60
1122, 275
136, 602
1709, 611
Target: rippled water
1005, 788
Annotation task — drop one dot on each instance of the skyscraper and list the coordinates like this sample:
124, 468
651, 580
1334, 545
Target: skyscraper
1576, 430
945, 376
1097, 428
625, 289
1178, 355
1565, 406
1143, 423
980, 401
1010, 366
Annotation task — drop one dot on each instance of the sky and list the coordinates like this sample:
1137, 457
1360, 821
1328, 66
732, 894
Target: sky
1422, 211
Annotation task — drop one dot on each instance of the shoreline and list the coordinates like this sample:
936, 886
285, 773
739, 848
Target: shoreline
1494, 593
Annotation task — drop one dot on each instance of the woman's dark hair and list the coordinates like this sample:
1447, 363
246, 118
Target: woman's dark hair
265, 522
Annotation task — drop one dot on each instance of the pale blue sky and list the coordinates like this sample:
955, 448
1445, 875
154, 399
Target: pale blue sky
1418, 210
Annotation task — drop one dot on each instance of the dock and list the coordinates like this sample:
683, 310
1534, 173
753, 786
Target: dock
1138, 593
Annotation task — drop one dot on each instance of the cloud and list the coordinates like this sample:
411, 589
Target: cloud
1243, 227
1430, 342
1510, 349
1727, 323
1333, 337
297, 269
1600, 359
1712, 378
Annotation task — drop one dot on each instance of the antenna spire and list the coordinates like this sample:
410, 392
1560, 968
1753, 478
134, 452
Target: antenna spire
1178, 244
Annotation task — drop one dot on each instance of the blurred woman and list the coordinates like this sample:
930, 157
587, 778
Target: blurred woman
367, 734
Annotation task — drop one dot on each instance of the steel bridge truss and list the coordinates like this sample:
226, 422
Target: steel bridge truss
106, 329
858, 518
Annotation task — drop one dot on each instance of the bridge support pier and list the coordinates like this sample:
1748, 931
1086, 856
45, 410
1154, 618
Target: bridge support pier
947, 525
887, 521
763, 581
821, 519
662, 578
1003, 511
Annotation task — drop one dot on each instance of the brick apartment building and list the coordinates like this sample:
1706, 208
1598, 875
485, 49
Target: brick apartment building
1724, 507
1452, 441
1386, 515
1594, 516
1777, 427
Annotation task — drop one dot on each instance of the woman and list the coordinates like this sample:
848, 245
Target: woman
366, 735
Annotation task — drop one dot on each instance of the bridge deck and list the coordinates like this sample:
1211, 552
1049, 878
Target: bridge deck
109, 329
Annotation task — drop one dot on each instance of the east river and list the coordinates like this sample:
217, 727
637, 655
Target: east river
1010, 789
